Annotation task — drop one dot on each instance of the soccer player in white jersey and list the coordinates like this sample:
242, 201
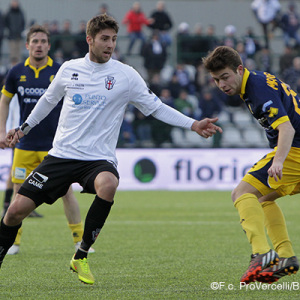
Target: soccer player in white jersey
96, 91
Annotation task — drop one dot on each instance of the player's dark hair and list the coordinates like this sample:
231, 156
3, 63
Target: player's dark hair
37, 28
99, 23
221, 58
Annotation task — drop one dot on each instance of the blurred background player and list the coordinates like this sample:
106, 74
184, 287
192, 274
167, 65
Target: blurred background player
29, 80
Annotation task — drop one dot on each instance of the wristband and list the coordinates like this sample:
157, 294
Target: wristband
25, 128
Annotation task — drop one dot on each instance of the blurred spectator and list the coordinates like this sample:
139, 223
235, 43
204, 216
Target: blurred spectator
211, 35
2, 22
250, 64
183, 29
58, 56
183, 104
155, 85
162, 22
166, 97
54, 28
67, 41
202, 78
81, 43
230, 39
118, 55
103, 9
183, 78
286, 59
127, 137
142, 128
240, 48
174, 86
263, 60
184, 45
46, 25
155, 55
290, 23
266, 13
252, 45
135, 19
161, 132
297, 90
15, 25
209, 104
291, 75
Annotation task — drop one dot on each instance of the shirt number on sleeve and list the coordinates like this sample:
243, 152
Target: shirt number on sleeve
290, 92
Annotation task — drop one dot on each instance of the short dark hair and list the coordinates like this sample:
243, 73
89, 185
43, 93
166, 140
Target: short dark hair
221, 58
99, 23
37, 28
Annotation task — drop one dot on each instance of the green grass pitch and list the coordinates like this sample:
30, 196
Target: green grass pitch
155, 245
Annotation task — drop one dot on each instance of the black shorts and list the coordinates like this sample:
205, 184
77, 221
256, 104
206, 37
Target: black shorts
53, 177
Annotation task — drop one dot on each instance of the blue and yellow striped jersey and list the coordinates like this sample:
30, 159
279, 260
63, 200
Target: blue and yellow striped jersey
271, 102
30, 84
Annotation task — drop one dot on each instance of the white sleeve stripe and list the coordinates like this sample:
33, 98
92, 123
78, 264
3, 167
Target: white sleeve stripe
173, 117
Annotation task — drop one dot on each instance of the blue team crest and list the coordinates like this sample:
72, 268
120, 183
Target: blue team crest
109, 82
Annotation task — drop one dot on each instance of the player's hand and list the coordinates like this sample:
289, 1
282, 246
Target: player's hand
13, 137
3, 143
275, 170
206, 127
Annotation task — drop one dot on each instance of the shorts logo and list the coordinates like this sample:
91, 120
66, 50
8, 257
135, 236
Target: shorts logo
37, 179
109, 82
20, 173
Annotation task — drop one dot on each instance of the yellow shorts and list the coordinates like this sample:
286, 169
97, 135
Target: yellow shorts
289, 184
24, 162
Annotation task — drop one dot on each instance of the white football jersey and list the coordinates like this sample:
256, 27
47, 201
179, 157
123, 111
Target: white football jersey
95, 99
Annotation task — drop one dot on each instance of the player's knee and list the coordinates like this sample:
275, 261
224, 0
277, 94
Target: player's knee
13, 215
106, 186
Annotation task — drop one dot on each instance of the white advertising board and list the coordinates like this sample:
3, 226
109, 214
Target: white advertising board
173, 169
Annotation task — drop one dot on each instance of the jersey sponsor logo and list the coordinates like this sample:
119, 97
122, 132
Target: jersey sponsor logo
76, 86
20, 173
89, 101
37, 179
77, 99
109, 82
30, 91
29, 100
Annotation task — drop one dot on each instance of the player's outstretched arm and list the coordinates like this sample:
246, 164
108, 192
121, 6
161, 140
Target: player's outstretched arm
206, 127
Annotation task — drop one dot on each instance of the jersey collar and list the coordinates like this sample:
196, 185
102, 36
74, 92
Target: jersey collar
49, 62
244, 82
96, 66
35, 70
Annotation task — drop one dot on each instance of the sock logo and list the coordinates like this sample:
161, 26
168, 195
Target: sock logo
95, 233
144, 170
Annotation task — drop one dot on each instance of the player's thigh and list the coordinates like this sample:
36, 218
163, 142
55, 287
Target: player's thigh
24, 162
49, 181
244, 188
258, 175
